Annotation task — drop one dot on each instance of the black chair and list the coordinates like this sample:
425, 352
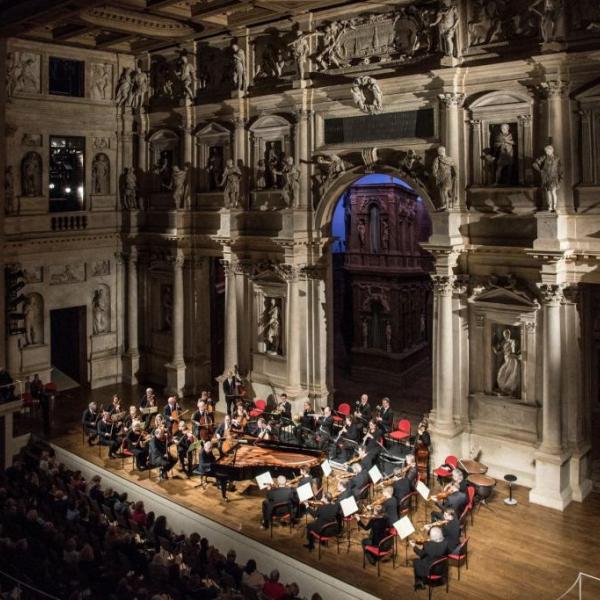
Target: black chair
385, 548
281, 511
438, 574
461, 553
328, 531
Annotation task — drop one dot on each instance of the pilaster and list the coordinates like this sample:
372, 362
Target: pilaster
176, 368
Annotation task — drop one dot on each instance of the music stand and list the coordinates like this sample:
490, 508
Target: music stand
510, 479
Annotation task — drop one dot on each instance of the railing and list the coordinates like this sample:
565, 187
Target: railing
69, 222
25, 591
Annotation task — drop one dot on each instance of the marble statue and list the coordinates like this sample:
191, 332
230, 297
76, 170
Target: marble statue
367, 95
260, 179
300, 48
139, 88
331, 167
361, 228
214, 168
509, 374
486, 26
446, 21
388, 336
290, 174
550, 169
101, 82
33, 318
180, 185
23, 73
240, 82
167, 307
101, 175
9, 191
31, 174
129, 200
272, 162
444, 175
230, 182
99, 312
412, 164
272, 320
187, 78
548, 18
124, 91
504, 150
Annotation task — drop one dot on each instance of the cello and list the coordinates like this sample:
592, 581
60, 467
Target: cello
422, 450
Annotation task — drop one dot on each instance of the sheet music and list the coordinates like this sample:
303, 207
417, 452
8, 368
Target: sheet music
305, 492
326, 468
375, 474
264, 480
349, 506
404, 527
423, 490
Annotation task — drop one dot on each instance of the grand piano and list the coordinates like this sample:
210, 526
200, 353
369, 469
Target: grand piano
249, 457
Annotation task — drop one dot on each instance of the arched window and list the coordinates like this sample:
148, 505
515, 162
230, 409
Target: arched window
374, 228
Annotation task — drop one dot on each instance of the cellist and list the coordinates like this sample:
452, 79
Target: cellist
202, 426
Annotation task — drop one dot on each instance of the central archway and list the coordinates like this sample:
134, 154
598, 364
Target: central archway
387, 295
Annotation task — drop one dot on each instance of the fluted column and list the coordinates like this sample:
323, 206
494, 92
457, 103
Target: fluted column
176, 368
239, 139
302, 158
295, 328
551, 369
132, 303
231, 332
443, 347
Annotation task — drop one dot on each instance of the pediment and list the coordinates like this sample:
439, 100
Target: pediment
500, 99
212, 129
269, 122
506, 296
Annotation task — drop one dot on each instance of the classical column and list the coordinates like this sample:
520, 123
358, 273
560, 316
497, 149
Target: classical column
476, 140
176, 368
452, 103
588, 142
302, 158
525, 149
295, 326
239, 139
552, 296
231, 333
132, 356
444, 376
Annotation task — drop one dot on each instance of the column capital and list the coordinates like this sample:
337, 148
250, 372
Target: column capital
443, 284
552, 293
553, 88
239, 122
302, 114
524, 119
450, 99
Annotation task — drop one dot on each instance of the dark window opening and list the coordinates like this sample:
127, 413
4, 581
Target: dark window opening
66, 173
66, 77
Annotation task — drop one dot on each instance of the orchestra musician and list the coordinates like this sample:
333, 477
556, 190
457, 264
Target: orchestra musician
279, 495
284, 407
368, 458
308, 420
450, 529
325, 424
389, 506
148, 401
359, 480
137, 444
223, 428
240, 420
158, 454
114, 408
435, 548
343, 490
324, 514
385, 419
230, 384
411, 466
377, 526
348, 438
131, 416
263, 429
89, 421
402, 487
455, 499
107, 434
206, 467
423, 435
210, 405
371, 440
201, 423
171, 407
184, 439
363, 410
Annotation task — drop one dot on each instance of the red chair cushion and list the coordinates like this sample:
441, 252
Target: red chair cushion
344, 408
376, 551
261, 404
441, 472
451, 460
457, 556
399, 435
255, 412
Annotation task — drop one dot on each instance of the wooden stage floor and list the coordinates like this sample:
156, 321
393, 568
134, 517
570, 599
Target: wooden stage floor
523, 552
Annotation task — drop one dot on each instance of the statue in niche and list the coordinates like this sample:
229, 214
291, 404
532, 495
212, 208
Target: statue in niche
367, 95
486, 26
273, 158
180, 185
291, 183
129, 199
214, 167
33, 318
550, 169
139, 87
230, 182
446, 21
166, 298
385, 234
163, 170
444, 175
99, 312
261, 171
101, 82
388, 336
272, 332
329, 55
9, 191
187, 78
163, 81
124, 92
101, 174
331, 166
240, 82
504, 154
508, 376
300, 48
272, 60
364, 326
31, 174
361, 229
548, 18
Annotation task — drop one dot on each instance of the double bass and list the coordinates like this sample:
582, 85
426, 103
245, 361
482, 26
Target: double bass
422, 450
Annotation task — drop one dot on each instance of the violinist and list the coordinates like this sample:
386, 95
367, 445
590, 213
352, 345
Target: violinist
114, 408
224, 428
284, 407
279, 495
368, 458
411, 469
378, 528
423, 436
359, 479
371, 440
389, 506
454, 496
435, 548
385, 419
107, 434
450, 528
402, 487
158, 454
201, 424
137, 444
362, 409
89, 421
170, 410
132, 416
326, 513
184, 439
148, 401
230, 384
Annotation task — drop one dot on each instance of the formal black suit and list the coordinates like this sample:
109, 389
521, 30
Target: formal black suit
184, 454
168, 411
402, 488
323, 515
430, 552
365, 412
89, 420
378, 526
158, 456
134, 445
325, 425
390, 510
285, 409
307, 421
369, 460
387, 420
206, 467
276, 496
358, 482
451, 533
229, 390
456, 500
145, 403
412, 475
107, 437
